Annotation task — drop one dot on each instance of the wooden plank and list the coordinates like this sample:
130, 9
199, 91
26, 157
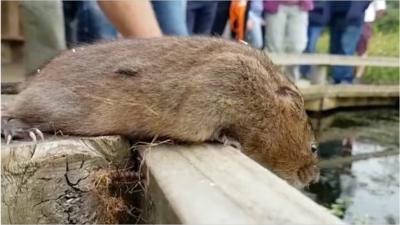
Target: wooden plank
349, 91
332, 60
214, 184
335, 96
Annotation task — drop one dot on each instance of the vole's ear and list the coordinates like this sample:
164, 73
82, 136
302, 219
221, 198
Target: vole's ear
290, 99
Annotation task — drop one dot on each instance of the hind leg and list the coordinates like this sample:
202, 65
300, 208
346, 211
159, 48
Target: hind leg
222, 138
12, 128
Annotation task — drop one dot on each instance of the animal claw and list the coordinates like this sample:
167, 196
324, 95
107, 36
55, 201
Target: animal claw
9, 138
39, 133
17, 129
230, 142
33, 136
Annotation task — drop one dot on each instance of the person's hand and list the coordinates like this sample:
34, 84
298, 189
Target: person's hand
132, 18
380, 13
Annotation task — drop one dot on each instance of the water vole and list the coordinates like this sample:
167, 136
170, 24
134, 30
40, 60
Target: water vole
187, 89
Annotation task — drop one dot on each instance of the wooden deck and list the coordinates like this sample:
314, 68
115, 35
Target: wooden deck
327, 97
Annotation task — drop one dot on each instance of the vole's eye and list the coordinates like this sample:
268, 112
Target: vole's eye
314, 148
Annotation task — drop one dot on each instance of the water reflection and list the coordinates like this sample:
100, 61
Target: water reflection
367, 191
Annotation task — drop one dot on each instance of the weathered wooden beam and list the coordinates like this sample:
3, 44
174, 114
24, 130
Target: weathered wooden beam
214, 184
52, 182
333, 60
350, 91
327, 97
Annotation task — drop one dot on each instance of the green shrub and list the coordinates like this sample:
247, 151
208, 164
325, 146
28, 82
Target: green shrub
384, 42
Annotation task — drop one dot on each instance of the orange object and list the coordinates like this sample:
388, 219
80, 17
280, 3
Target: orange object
237, 18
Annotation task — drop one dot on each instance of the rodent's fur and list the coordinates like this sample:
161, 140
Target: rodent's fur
187, 89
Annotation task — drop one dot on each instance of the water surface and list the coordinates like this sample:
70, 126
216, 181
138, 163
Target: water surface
366, 191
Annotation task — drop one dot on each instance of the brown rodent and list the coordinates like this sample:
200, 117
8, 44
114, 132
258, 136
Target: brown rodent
188, 89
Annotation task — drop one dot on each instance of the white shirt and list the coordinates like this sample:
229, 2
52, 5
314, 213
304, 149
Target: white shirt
370, 13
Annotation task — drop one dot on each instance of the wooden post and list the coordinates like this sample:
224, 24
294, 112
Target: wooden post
52, 181
318, 74
11, 21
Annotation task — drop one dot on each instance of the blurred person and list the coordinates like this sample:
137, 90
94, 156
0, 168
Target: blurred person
286, 28
375, 10
238, 14
200, 16
221, 17
347, 18
318, 19
171, 16
44, 31
86, 23
255, 21
43, 26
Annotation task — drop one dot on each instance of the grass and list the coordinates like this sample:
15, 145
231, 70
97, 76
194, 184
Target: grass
384, 42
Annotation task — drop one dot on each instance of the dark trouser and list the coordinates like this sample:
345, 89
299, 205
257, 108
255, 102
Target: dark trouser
200, 16
343, 41
313, 34
221, 18
91, 24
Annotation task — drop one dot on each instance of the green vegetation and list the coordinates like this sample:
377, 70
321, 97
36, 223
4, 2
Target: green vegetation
384, 42
339, 207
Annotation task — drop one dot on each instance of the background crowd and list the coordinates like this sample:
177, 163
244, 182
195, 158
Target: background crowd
281, 26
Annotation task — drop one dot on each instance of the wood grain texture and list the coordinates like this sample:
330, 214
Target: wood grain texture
332, 60
51, 181
327, 97
213, 184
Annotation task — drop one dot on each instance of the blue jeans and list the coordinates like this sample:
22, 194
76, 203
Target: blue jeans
200, 16
343, 41
255, 35
171, 16
313, 33
86, 23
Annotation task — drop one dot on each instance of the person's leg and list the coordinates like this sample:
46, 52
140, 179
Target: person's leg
296, 35
348, 43
171, 16
313, 34
221, 18
70, 10
191, 11
255, 36
275, 30
205, 18
93, 25
43, 25
336, 31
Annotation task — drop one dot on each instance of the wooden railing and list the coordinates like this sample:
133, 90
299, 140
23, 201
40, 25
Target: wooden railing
52, 182
333, 60
320, 63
